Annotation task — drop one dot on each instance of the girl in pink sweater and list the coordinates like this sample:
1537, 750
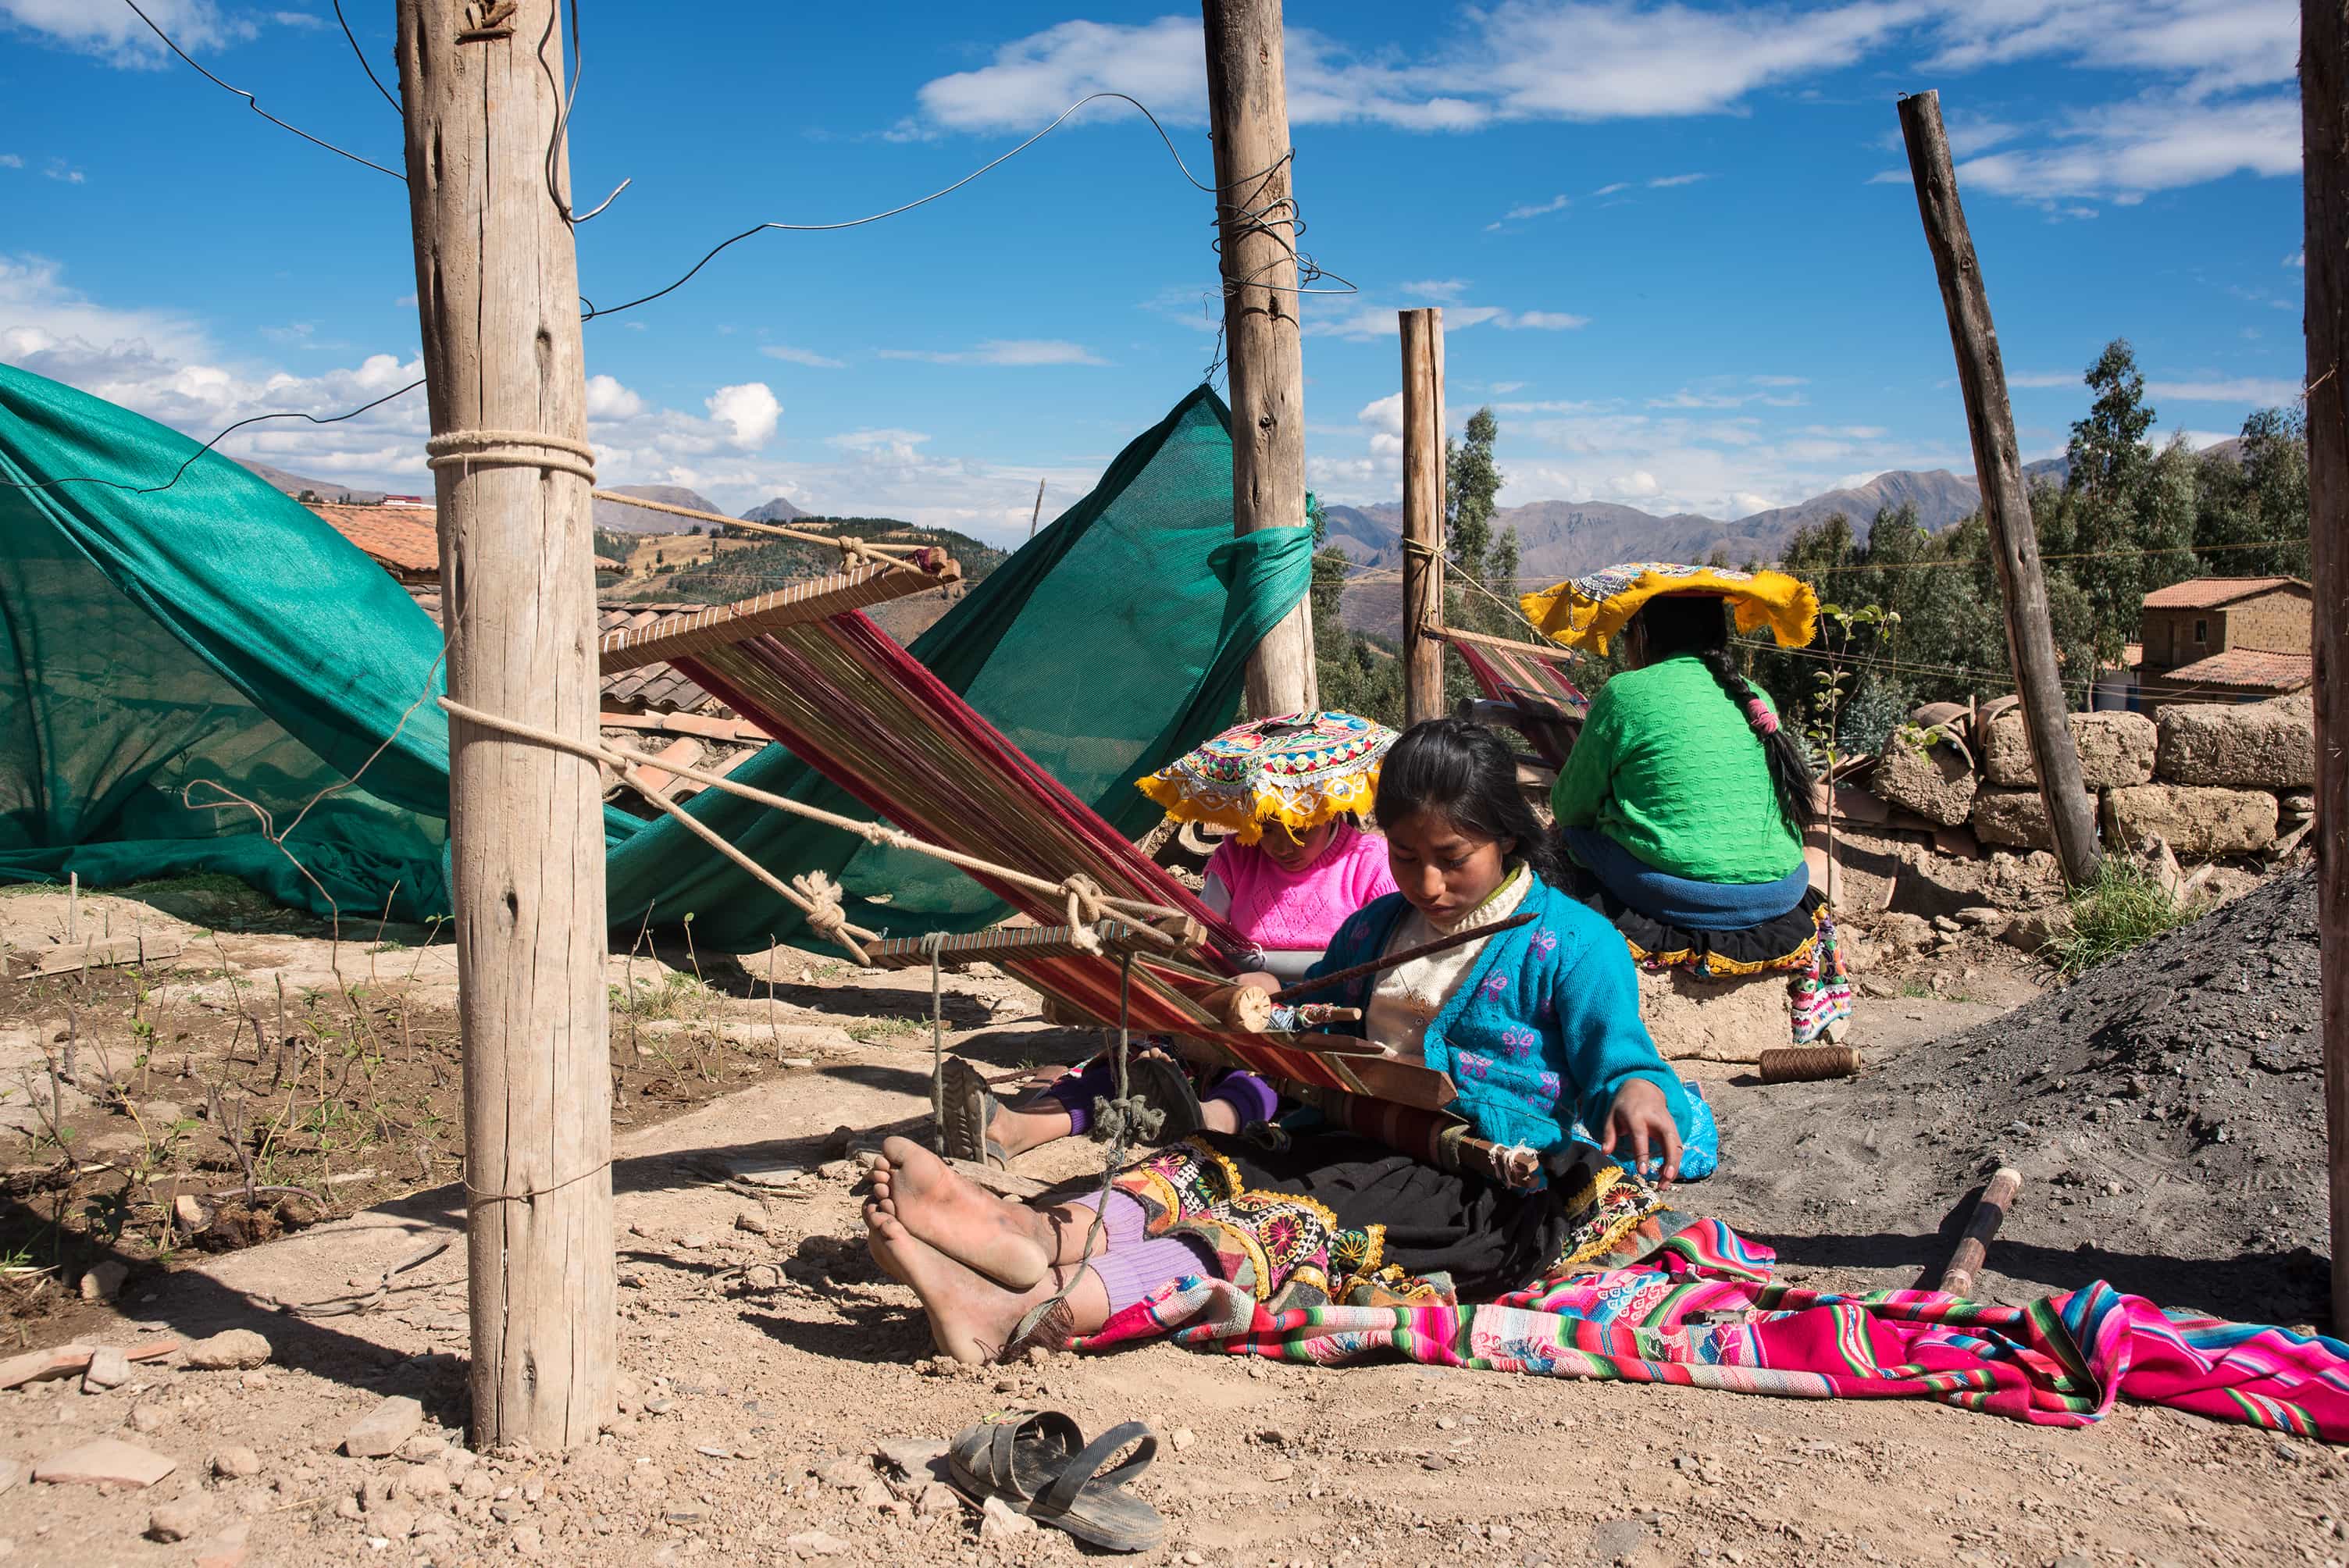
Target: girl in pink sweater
1288, 893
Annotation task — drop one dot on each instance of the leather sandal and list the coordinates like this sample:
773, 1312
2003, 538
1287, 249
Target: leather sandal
1165, 1086
965, 1112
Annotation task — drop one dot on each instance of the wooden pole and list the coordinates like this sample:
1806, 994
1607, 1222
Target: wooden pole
1990, 1213
1248, 114
2325, 126
1036, 515
1422, 513
2006, 500
497, 297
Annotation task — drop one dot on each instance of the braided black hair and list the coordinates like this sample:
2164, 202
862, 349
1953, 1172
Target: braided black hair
1464, 773
1698, 624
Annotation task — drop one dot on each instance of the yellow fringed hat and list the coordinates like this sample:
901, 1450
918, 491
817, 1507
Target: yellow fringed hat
1589, 612
1301, 769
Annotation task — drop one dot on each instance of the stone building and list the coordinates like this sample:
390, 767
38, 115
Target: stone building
2225, 639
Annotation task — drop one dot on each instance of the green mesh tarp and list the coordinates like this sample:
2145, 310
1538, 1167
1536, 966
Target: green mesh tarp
216, 634
1112, 643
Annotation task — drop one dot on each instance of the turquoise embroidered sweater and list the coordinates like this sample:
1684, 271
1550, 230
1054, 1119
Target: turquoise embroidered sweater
1543, 1029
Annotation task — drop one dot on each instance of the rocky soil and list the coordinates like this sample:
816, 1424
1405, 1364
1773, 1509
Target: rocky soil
779, 1407
2166, 1110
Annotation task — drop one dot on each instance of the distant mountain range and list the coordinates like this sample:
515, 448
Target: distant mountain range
775, 510
1562, 539
320, 489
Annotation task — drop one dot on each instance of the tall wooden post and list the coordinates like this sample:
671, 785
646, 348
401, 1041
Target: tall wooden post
2324, 129
497, 296
1248, 114
1422, 513
2006, 499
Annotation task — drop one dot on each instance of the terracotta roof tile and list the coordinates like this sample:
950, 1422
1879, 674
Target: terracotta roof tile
2209, 593
403, 540
649, 688
2245, 667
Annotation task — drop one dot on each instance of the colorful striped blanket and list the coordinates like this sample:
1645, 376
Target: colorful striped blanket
1699, 1310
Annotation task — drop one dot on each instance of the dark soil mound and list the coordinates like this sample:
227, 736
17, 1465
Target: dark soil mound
2166, 1110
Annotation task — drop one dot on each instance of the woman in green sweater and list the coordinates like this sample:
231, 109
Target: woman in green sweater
1684, 801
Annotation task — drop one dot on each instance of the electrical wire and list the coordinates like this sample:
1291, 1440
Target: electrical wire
254, 103
361, 54
989, 165
563, 99
207, 446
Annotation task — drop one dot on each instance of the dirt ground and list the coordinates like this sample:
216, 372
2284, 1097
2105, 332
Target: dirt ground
766, 1359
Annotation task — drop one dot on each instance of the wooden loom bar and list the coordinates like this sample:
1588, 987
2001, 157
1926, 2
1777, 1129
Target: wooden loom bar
845, 543
691, 632
1012, 943
1555, 656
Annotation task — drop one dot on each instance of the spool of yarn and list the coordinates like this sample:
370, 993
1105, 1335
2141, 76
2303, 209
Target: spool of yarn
1241, 1008
1808, 1064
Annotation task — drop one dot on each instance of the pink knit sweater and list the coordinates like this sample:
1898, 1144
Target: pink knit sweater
1284, 911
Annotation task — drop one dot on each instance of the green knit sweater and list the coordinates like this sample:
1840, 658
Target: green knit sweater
1668, 768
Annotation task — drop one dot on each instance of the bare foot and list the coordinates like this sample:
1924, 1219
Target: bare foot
1008, 1243
971, 1318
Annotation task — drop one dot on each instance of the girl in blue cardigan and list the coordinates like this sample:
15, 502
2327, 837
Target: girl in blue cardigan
1538, 1026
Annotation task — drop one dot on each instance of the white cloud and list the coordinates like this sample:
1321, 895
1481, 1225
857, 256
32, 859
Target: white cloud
2297, 259
1667, 182
607, 399
2264, 391
1525, 59
1610, 190
748, 410
1541, 320
897, 445
2121, 151
807, 356
116, 34
2035, 379
1383, 414
1536, 209
1023, 351
1436, 288
1503, 388
1362, 322
11, 160
2220, 44
59, 169
1778, 380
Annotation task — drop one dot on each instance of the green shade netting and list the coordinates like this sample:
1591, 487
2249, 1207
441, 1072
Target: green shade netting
213, 631
217, 630
1112, 643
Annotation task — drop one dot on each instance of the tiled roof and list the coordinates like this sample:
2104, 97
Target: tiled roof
2245, 667
403, 540
2209, 593
656, 687
652, 688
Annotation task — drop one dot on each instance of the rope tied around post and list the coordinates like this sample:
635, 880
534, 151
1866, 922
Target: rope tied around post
511, 449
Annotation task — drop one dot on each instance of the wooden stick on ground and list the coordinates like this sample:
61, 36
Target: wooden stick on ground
1441, 943
1958, 1279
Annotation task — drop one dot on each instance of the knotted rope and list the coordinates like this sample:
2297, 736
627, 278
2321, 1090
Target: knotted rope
511, 449
1118, 1121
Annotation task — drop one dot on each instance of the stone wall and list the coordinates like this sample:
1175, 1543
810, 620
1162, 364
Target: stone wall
2211, 779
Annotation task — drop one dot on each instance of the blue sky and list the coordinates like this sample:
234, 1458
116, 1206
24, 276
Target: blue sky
1676, 244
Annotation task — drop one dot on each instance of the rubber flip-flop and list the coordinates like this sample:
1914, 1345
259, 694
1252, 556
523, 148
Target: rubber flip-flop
964, 1115
1165, 1086
1093, 1504
1013, 1456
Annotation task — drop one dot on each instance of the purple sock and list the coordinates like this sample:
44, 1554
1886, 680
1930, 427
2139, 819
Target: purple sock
1248, 1094
1075, 1093
1134, 1263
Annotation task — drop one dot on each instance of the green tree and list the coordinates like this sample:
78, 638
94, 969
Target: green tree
2252, 516
2109, 450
